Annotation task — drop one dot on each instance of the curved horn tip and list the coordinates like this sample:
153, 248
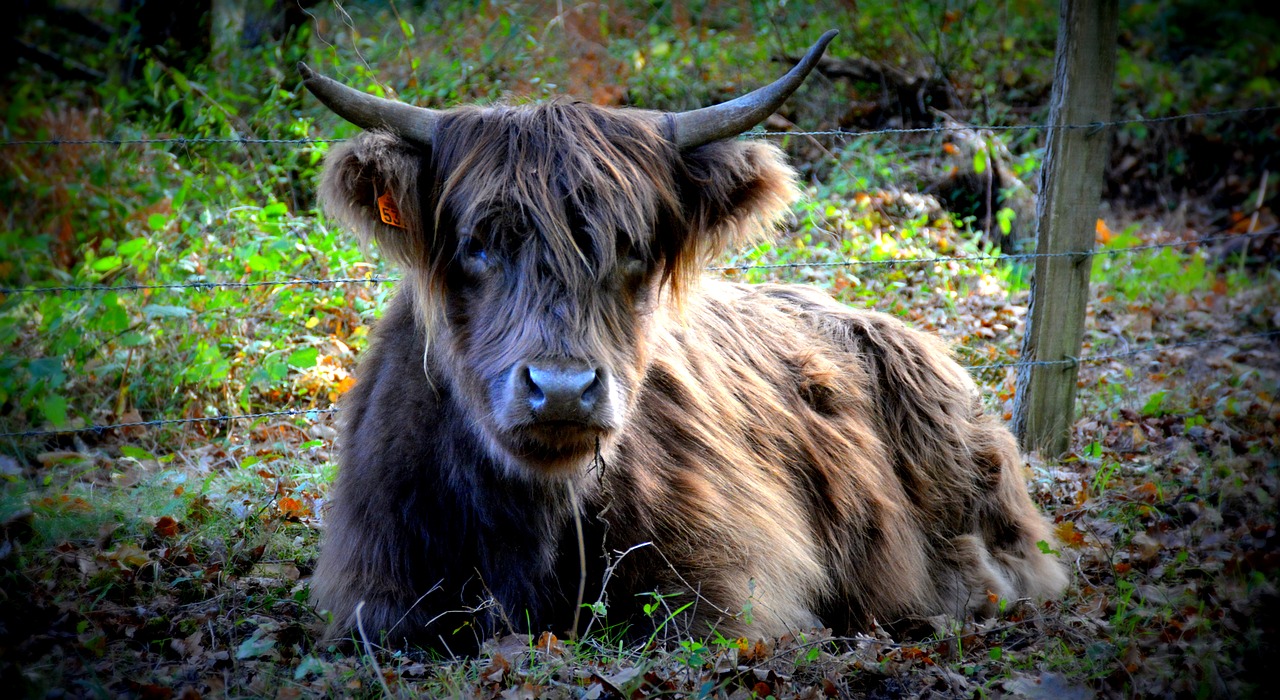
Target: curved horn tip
700, 126
366, 111
815, 52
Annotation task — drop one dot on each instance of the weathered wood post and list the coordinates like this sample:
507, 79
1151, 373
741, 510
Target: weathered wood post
1066, 213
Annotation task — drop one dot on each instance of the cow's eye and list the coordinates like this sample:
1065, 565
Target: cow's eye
631, 260
473, 250
473, 256
634, 267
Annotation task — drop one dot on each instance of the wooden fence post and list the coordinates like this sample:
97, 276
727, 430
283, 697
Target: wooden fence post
1066, 214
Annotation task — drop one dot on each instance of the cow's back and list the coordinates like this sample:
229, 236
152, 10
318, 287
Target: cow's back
821, 464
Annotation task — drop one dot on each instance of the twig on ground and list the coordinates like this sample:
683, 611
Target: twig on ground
431, 590
604, 582
582, 556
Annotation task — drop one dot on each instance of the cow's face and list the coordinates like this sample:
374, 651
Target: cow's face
542, 244
550, 272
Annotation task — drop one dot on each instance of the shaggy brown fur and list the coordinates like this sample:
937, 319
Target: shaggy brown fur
824, 464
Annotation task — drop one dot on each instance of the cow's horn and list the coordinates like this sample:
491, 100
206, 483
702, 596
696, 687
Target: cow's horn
416, 124
699, 126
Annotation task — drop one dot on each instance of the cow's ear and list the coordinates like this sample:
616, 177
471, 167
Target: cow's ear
373, 185
732, 192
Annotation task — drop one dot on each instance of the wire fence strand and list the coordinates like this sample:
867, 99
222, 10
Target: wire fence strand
170, 421
378, 279
1093, 126
166, 141
1011, 257
205, 285
835, 133
312, 413
1123, 354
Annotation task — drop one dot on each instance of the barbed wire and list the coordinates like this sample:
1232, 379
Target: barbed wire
1109, 356
169, 421
165, 141
1000, 258
244, 141
316, 281
311, 412
195, 285
1013, 127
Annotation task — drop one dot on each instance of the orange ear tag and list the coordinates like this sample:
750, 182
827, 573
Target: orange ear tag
388, 210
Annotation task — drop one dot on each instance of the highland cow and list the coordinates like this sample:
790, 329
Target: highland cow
786, 462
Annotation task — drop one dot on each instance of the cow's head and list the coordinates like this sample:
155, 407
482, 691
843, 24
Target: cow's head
541, 242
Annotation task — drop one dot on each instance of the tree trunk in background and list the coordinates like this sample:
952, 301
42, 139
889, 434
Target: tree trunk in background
1067, 212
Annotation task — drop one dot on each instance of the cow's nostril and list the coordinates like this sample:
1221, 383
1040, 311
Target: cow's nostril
592, 392
562, 393
535, 392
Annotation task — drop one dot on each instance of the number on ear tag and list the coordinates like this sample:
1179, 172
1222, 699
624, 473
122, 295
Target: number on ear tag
388, 211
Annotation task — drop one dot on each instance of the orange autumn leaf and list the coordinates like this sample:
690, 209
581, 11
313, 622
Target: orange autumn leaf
498, 668
1068, 534
167, 527
950, 149
1103, 235
547, 642
916, 654
292, 507
1240, 222
1148, 492
753, 652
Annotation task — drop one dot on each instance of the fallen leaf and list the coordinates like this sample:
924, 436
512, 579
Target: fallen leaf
50, 459
292, 508
1068, 534
261, 643
128, 555
548, 643
1103, 234
167, 527
497, 669
1148, 492
1145, 548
